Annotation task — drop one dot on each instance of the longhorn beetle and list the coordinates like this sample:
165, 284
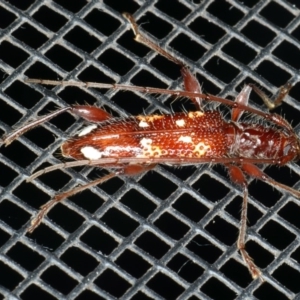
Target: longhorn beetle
136, 144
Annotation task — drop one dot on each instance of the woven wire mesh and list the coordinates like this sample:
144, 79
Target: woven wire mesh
167, 234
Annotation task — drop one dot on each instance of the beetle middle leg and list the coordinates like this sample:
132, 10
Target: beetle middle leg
89, 113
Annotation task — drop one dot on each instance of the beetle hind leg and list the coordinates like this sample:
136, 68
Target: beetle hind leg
126, 170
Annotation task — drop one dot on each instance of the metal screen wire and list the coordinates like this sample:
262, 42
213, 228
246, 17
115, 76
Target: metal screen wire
169, 233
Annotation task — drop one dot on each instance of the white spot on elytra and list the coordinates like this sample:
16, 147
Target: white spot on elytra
145, 142
180, 123
185, 139
143, 124
150, 118
87, 130
195, 114
91, 153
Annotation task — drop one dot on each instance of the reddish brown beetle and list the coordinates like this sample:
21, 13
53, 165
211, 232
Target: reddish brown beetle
136, 144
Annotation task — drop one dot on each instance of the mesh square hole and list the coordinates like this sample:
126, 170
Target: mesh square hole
171, 226
225, 12
291, 212
273, 73
18, 89
30, 36
59, 280
87, 294
222, 230
19, 154
132, 103
239, 51
92, 74
186, 46
34, 291
13, 215
288, 53
165, 286
79, 261
145, 78
65, 217
138, 203
73, 7
210, 188
99, 240
155, 26
277, 235
216, 289
25, 257
6, 18
12, 55
133, 263
205, 249
39, 70
63, 57
221, 69
288, 277
46, 238
108, 25
119, 222
277, 14
82, 39
258, 33
237, 272
190, 207
264, 193
116, 61
11, 279
185, 268
9, 114
152, 244
268, 291
177, 10
50, 18
21, 5
207, 30
153, 181
112, 283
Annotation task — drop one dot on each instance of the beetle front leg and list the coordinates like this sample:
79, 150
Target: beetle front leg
270, 103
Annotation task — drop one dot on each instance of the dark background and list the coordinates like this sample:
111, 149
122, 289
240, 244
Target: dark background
170, 233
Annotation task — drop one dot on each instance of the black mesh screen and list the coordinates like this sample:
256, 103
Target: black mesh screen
169, 233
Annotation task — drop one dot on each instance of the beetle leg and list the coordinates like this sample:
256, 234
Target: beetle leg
89, 113
191, 83
272, 103
237, 176
127, 170
35, 222
255, 172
